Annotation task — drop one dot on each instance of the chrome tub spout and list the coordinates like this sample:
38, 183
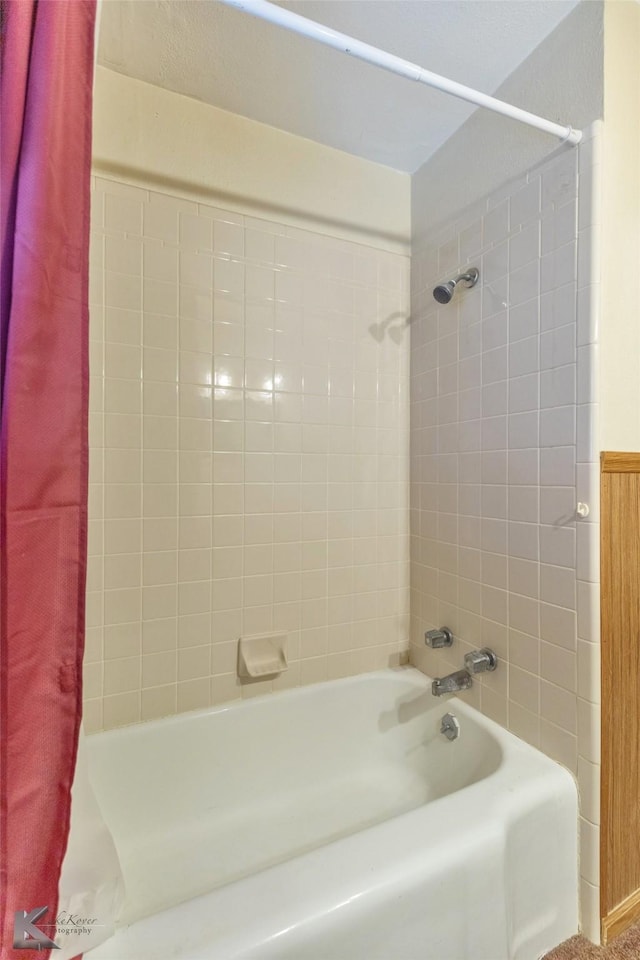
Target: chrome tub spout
453, 683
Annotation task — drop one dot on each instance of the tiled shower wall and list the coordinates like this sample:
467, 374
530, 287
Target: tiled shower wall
503, 449
249, 451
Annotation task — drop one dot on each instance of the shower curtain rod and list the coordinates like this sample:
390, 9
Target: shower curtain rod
404, 68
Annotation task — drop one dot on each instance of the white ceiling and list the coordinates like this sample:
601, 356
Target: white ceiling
216, 54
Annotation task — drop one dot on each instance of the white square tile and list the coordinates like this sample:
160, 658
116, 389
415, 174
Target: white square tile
558, 466
558, 706
558, 307
523, 540
228, 277
524, 283
589, 730
495, 263
524, 246
523, 504
523, 431
558, 586
525, 204
557, 545
558, 347
559, 267
494, 297
558, 427
558, 625
559, 180
588, 314
558, 665
524, 320
588, 597
524, 615
558, 386
524, 393
123, 214
589, 671
559, 744
588, 551
195, 232
589, 786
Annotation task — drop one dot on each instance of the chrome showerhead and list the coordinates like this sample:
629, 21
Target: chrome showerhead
445, 291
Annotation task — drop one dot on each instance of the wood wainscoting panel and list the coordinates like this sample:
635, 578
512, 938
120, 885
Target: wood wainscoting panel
620, 630
620, 918
614, 462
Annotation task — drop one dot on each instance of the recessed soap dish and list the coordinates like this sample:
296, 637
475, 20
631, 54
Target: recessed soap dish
262, 656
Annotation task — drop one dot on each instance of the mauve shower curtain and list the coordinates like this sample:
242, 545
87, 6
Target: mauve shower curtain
47, 74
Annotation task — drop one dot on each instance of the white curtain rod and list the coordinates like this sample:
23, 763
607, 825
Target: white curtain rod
404, 68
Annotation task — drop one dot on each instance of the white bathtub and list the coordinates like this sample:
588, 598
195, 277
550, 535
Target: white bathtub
336, 822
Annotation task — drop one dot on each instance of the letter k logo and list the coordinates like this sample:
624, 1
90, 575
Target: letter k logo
26, 936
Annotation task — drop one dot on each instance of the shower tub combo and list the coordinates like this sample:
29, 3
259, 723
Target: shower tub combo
337, 822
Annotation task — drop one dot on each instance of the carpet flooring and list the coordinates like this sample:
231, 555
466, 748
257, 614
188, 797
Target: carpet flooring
624, 947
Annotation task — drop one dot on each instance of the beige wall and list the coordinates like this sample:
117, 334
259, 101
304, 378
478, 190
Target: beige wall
620, 230
166, 141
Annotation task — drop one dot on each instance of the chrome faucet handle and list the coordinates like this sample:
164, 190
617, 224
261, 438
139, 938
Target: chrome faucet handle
479, 661
438, 638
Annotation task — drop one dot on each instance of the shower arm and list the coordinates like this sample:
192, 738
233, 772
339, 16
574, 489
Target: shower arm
404, 68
